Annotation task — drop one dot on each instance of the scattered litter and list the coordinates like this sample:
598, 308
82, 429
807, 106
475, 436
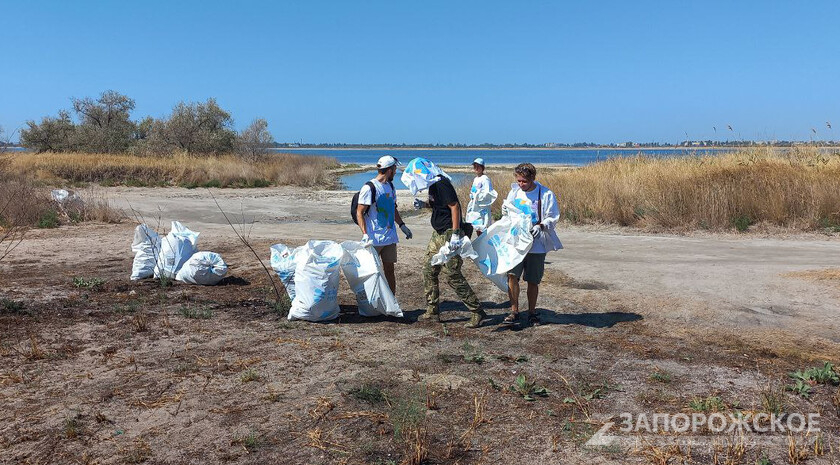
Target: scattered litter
362, 268
146, 247
175, 249
67, 199
205, 268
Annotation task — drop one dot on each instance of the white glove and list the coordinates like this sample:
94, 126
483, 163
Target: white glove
420, 204
504, 209
536, 230
366, 242
406, 231
455, 242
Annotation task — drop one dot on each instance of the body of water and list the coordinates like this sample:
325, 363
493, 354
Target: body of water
498, 156
355, 181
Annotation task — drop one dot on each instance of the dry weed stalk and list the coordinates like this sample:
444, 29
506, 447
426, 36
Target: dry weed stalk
797, 453
478, 419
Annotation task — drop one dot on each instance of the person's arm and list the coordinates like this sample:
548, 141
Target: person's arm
551, 211
455, 209
360, 215
397, 217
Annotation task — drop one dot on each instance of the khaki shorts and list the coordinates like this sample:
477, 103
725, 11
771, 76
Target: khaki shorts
388, 253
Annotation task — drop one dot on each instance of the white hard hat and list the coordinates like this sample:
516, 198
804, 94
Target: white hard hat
387, 161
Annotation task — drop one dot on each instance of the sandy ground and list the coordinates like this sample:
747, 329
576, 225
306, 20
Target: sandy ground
118, 373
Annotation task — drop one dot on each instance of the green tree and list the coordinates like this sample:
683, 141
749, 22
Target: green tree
105, 123
51, 135
197, 128
254, 140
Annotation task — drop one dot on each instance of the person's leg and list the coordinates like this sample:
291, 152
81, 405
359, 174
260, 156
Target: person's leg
430, 278
462, 288
513, 293
533, 292
534, 269
388, 269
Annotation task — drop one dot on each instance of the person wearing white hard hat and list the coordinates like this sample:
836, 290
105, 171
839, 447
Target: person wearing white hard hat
482, 197
377, 215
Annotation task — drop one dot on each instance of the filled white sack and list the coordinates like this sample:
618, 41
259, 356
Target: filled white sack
284, 260
175, 249
478, 210
146, 247
362, 268
205, 268
316, 282
445, 252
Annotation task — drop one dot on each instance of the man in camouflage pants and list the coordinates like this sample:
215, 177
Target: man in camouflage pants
446, 218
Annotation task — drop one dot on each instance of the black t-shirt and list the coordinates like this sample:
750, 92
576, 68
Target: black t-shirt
441, 194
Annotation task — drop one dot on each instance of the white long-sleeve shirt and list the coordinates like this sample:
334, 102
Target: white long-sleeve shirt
527, 203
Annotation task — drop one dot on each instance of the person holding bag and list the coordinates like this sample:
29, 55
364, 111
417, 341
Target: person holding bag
539, 202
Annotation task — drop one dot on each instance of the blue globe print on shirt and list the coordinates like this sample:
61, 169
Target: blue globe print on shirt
524, 205
385, 211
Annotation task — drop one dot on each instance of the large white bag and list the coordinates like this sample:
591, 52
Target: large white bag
316, 282
146, 247
284, 261
205, 268
362, 268
503, 246
175, 249
445, 252
478, 210
421, 173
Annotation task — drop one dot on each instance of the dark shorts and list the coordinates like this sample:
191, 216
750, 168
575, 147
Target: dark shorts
533, 266
388, 253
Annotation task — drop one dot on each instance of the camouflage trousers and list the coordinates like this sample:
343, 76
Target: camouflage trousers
452, 270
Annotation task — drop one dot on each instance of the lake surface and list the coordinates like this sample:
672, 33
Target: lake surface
355, 181
498, 156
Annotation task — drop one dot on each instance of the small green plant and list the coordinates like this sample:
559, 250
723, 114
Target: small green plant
742, 223
804, 380
72, 427
11, 306
764, 460
494, 384
369, 393
281, 307
408, 414
473, 354
773, 400
529, 390
249, 375
709, 404
201, 313
250, 441
129, 307
48, 220
88, 283
660, 376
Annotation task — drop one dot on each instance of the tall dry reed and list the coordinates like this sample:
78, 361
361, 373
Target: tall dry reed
178, 169
797, 188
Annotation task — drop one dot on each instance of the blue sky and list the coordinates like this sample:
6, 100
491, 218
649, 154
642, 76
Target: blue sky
441, 71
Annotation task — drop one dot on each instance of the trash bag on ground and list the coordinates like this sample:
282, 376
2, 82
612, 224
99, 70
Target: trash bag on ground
503, 246
284, 260
316, 282
204, 268
146, 247
67, 199
362, 268
175, 249
421, 173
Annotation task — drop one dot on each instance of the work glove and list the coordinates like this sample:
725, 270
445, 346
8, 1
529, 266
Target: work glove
366, 242
504, 209
420, 204
406, 231
455, 242
536, 230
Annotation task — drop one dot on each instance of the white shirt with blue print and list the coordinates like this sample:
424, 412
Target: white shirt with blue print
527, 203
380, 220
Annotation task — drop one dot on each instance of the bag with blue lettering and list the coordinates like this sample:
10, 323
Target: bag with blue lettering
284, 261
503, 246
316, 282
362, 268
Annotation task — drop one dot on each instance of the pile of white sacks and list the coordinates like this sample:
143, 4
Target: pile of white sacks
311, 275
174, 256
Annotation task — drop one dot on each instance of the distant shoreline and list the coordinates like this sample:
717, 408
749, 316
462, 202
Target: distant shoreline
513, 148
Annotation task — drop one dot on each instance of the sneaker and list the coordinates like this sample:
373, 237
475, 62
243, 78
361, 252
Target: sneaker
430, 316
476, 319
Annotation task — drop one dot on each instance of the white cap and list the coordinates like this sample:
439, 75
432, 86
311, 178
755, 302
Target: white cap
387, 161
478, 161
